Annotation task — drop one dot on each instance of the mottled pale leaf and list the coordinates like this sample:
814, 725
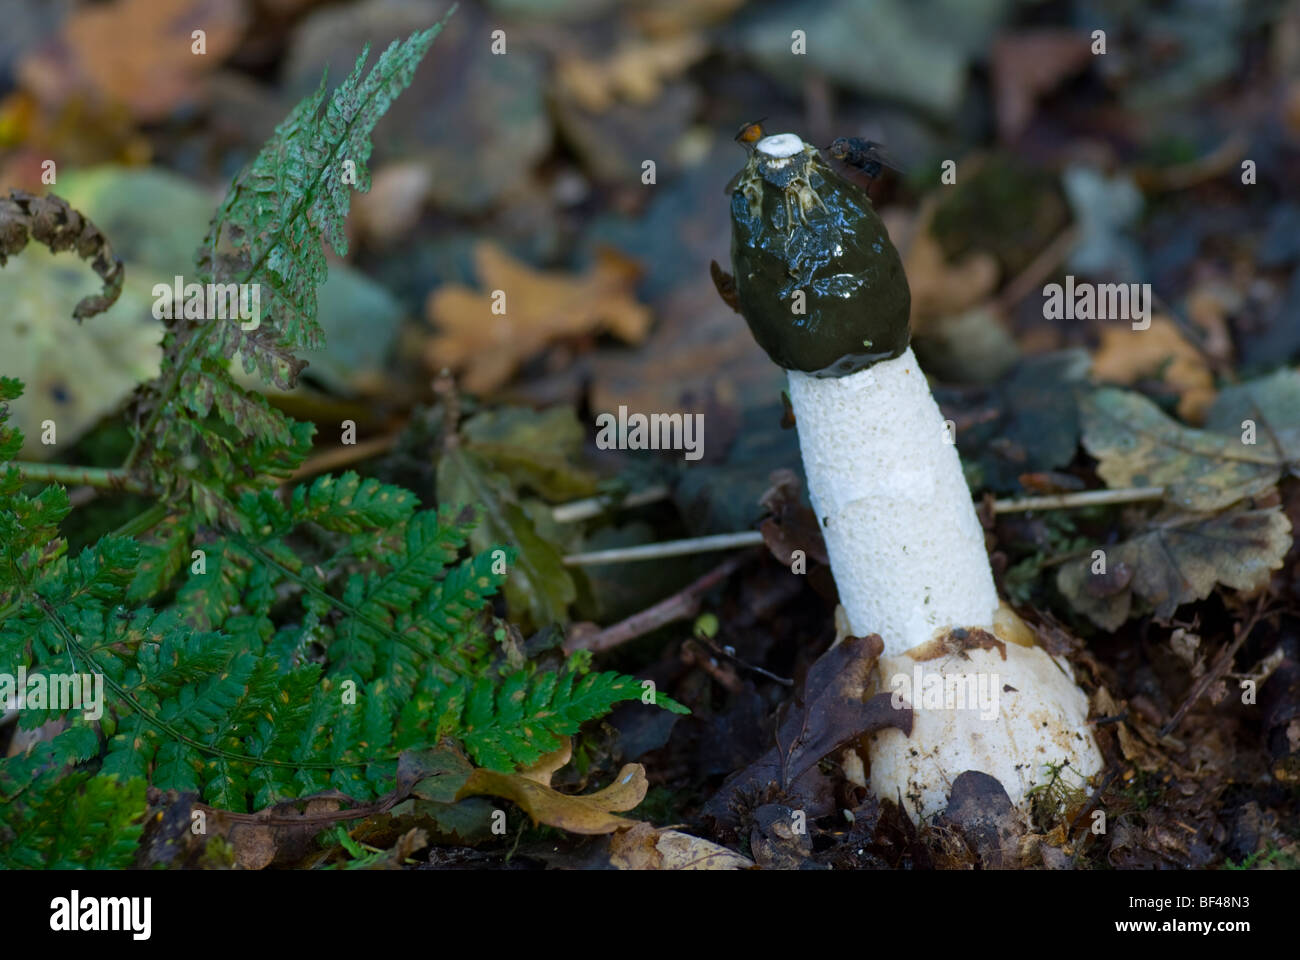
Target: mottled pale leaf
1271, 405
1138, 446
644, 847
1176, 561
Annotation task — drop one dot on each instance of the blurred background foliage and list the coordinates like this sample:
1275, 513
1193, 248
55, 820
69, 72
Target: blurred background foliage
523, 171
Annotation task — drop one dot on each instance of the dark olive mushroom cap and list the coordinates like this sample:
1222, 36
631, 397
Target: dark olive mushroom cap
798, 225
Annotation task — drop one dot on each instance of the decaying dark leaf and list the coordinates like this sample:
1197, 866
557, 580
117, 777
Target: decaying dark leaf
832, 711
980, 808
792, 525
1177, 560
271, 836
1027, 422
780, 839
1137, 445
435, 774
51, 221
1279, 699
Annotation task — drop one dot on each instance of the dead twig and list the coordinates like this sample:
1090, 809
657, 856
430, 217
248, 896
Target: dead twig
682, 605
1216, 672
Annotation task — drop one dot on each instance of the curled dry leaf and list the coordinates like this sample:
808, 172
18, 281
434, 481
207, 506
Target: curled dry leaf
545, 768
643, 847
539, 307
1137, 445
1176, 561
591, 813
51, 221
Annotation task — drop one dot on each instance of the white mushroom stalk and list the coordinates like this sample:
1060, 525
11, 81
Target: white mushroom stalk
906, 548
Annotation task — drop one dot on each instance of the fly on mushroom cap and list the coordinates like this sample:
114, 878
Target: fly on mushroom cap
816, 276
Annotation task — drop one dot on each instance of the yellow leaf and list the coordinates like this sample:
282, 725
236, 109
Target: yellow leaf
545, 768
1127, 355
588, 814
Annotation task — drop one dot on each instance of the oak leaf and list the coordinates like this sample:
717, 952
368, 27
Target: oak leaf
635, 73
540, 307
136, 52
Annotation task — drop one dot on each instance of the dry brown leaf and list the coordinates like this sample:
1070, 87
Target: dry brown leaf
1208, 307
260, 843
939, 288
670, 17
587, 814
1028, 65
540, 307
644, 847
1127, 355
136, 52
636, 73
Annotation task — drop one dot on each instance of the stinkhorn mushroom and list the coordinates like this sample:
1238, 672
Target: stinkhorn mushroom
824, 293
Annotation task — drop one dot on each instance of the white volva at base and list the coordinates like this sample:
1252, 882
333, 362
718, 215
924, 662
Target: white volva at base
908, 556
1041, 720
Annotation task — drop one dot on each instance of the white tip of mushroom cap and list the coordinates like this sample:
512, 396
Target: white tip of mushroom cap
780, 145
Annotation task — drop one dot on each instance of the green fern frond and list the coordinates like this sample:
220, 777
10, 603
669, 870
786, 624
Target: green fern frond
299, 188
268, 232
78, 822
257, 646
515, 719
